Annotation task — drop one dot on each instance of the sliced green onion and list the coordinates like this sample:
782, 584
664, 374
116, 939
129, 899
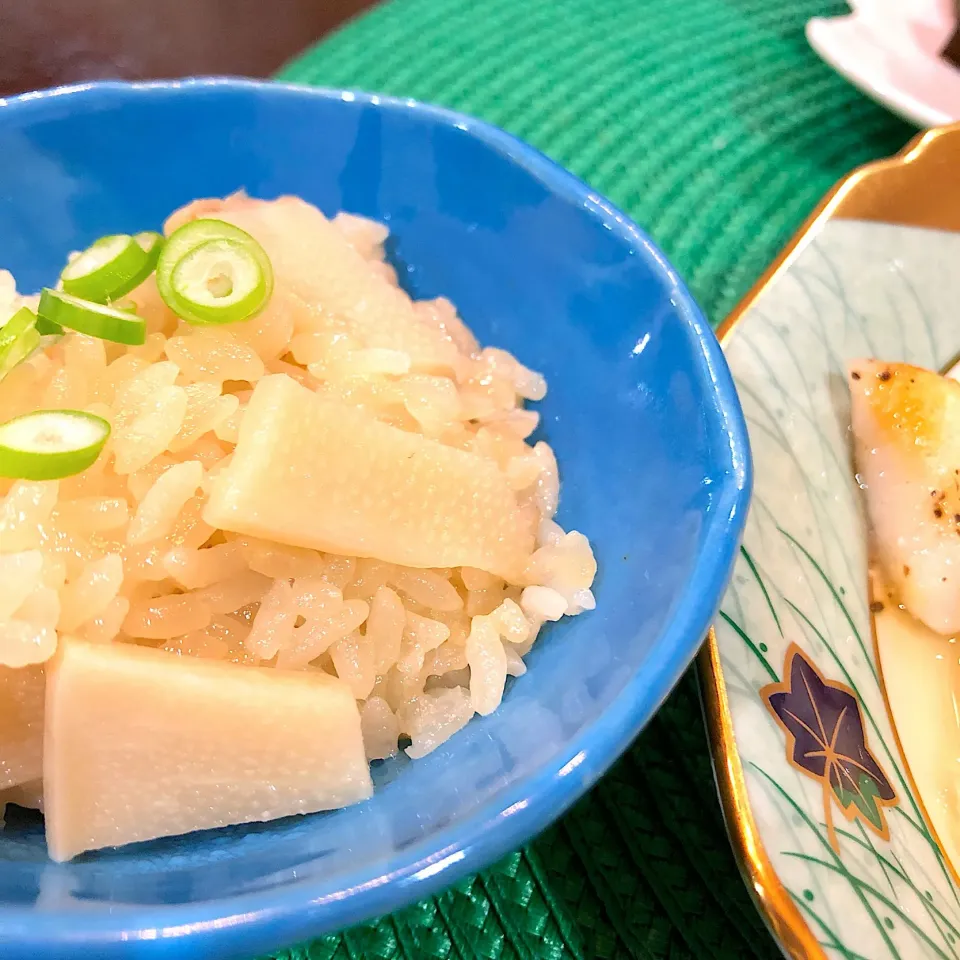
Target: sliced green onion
93, 319
18, 339
50, 444
213, 272
107, 269
47, 327
19, 322
151, 243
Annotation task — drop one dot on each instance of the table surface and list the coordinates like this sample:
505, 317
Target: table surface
48, 42
718, 131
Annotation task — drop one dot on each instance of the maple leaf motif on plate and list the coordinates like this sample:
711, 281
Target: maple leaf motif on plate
826, 740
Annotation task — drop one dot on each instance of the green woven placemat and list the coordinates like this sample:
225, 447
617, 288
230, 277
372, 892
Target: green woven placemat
716, 128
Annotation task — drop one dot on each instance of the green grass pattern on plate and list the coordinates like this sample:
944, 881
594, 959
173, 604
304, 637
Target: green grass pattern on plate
802, 575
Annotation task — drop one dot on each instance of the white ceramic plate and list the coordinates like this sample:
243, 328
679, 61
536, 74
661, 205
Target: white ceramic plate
793, 684
892, 50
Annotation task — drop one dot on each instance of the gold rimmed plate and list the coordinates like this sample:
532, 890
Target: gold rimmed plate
832, 833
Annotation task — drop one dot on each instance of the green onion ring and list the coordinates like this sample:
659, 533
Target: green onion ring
211, 272
50, 444
109, 268
93, 319
19, 337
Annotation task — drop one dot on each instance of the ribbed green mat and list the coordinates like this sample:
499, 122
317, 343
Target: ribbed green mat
716, 128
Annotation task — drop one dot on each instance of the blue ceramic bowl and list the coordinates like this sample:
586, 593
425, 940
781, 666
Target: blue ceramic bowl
641, 412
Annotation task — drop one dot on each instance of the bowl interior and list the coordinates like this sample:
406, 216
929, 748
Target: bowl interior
640, 412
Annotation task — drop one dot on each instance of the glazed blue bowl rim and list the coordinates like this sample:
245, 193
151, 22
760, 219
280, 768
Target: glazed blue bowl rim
503, 823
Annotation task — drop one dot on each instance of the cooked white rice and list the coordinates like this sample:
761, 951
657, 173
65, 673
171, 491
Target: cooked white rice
121, 554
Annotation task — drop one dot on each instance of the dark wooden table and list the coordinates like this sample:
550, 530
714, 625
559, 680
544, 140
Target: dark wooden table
47, 42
